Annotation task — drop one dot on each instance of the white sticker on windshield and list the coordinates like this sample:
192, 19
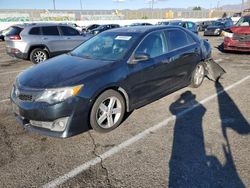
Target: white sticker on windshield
123, 38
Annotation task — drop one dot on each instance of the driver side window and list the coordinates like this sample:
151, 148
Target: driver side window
154, 45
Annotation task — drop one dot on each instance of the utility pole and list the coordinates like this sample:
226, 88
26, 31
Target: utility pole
54, 4
218, 4
242, 5
81, 9
81, 4
152, 8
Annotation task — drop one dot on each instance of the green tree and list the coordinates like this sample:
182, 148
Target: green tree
197, 8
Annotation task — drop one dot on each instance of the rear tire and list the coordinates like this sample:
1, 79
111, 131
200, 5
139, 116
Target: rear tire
107, 112
38, 55
198, 75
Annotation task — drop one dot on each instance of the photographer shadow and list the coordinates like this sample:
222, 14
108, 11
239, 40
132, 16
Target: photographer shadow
189, 165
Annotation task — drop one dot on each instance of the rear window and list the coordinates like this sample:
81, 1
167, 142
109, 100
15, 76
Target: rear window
68, 31
35, 31
50, 30
14, 31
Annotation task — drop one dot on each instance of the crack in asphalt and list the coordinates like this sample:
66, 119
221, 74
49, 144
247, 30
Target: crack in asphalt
103, 167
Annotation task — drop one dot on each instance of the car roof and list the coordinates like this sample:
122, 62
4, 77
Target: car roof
142, 29
41, 24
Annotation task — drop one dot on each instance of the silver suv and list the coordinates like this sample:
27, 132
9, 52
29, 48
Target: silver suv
41, 41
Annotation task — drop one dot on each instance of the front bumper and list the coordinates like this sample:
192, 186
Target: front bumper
212, 33
76, 109
234, 45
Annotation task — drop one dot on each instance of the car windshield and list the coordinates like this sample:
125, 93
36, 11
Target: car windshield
102, 27
244, 21
217, 24
106, 46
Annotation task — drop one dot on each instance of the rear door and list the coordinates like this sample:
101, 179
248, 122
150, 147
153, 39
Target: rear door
53, 40
184, 54
71, 37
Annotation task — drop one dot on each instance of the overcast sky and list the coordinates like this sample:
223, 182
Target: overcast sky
109, 4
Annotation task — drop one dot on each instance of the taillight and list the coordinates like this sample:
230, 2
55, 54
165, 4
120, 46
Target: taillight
15, 37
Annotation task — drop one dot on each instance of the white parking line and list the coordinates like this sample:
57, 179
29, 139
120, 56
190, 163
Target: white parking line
60, 180
218, 60
5, 100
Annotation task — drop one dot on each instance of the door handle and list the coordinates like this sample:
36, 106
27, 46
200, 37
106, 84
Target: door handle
68, 38
169, 60
165, 61
45, 38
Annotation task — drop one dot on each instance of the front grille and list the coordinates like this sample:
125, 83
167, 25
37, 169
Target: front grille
242, 38
24, 97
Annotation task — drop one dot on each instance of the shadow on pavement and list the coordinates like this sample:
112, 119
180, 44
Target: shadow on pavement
189, 165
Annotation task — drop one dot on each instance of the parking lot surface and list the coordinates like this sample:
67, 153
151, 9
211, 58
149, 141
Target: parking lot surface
191, 138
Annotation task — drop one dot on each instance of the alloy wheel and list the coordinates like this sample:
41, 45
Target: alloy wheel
39, 56
199, 74
109, 112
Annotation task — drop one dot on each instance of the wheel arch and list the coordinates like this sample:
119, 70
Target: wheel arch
120, 90
42, 46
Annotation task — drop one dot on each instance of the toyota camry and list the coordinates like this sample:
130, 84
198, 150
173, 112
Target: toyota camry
109, 75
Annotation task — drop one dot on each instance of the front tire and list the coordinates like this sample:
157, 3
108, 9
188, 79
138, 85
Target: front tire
107, 112
38, 55
198, 75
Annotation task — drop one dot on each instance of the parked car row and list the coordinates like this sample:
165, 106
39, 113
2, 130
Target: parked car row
217, 28
40, 41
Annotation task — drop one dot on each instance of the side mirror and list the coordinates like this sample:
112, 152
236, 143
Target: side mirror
140, 57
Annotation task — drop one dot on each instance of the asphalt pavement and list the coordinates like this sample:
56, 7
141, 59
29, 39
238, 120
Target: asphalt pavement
191, 138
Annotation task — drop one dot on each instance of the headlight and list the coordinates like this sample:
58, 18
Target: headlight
227, 34
217, 30
59, 94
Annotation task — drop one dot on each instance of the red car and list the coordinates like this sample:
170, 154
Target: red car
237, 38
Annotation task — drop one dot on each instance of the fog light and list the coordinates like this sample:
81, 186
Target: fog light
58, 125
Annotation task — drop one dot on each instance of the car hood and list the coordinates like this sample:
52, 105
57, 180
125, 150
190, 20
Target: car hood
241, 30
61, 71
